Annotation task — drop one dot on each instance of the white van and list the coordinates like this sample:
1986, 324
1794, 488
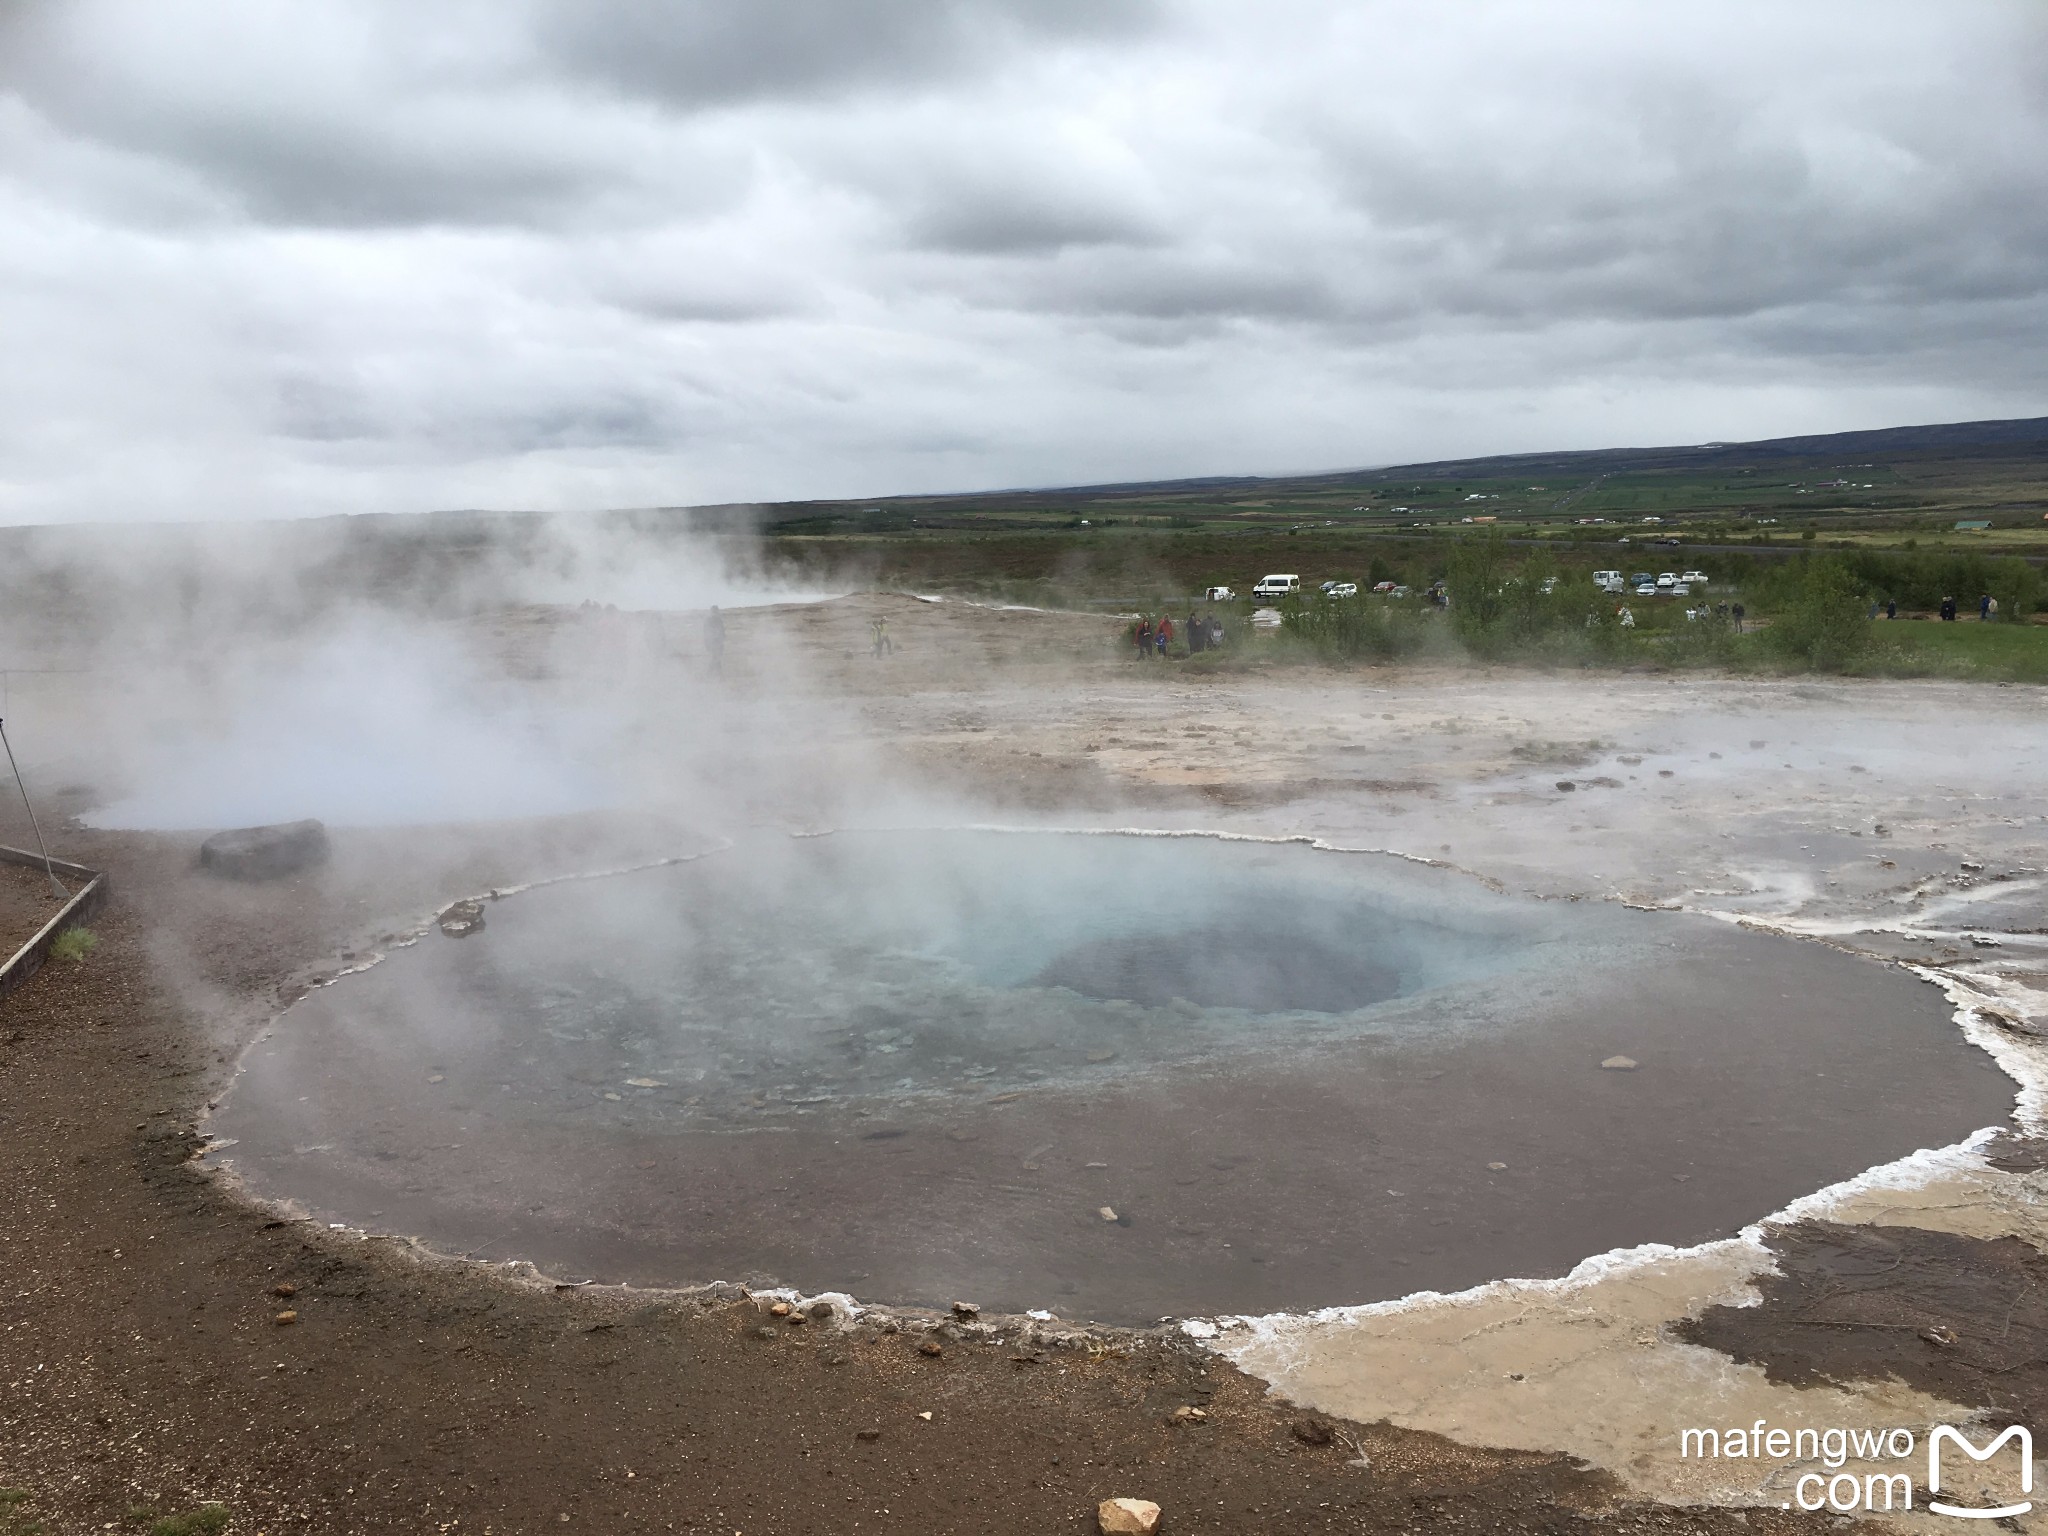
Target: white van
1607, 581
1219, 595
1276, 586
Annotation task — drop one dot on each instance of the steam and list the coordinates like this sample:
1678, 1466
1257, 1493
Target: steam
391, 671
367, 727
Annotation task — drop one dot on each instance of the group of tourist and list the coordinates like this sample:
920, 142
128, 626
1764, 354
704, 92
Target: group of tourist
1202, 632
1987, 609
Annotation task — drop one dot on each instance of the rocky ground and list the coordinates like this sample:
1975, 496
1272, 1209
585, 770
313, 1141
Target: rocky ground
146, 1369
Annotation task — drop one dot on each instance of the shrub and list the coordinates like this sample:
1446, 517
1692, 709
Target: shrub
1357, 628
1707, 641
2016, 585
1822, 621
1476, 574
73, 945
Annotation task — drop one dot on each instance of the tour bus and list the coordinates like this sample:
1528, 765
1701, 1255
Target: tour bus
1277, 586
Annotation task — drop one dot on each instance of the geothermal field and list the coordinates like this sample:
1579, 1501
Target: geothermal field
1280, 1089
1023, 768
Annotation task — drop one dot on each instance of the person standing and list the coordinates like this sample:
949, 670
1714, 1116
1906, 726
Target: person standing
1738, 610
1144, 638
1984, 609
883, 645
714, 641
1165, 636
1891, 608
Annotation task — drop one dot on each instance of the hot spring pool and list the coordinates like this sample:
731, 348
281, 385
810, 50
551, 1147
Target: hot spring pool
924, 1066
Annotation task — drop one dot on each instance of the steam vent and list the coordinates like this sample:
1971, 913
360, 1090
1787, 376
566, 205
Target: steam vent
1117, 1077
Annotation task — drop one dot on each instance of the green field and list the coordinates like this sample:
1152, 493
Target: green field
1806, 533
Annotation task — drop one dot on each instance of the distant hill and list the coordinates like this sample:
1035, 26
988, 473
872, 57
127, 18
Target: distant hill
2024, 439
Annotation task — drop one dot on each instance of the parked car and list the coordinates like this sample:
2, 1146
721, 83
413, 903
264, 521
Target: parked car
1678, 589
1646, 589
1668, 579
1642, 579
1607, 581
1383, 586
1694, 578
1218, 595
1343, 589
1276, 586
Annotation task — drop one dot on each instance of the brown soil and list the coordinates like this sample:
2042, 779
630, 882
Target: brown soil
1960, 1318
27, 901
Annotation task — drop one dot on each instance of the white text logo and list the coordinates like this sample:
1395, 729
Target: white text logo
2015, 1432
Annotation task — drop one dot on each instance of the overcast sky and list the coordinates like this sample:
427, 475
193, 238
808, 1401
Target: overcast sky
280, 257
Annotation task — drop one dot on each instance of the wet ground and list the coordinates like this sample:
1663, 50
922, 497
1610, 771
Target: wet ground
1112, 1077
1942, 1311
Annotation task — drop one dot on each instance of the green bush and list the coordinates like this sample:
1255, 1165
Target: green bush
1707, 641
1476, 578
2016, 585
1357, 628
1822, 619
73, 945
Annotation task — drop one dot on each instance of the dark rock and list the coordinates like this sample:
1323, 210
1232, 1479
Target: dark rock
1312, 1431
265, 853
462, 919
1566, 786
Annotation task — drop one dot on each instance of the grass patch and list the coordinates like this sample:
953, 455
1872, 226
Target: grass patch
73, 945
1996, 652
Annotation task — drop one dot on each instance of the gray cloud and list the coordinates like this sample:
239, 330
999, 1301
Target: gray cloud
357, 255
693, 53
